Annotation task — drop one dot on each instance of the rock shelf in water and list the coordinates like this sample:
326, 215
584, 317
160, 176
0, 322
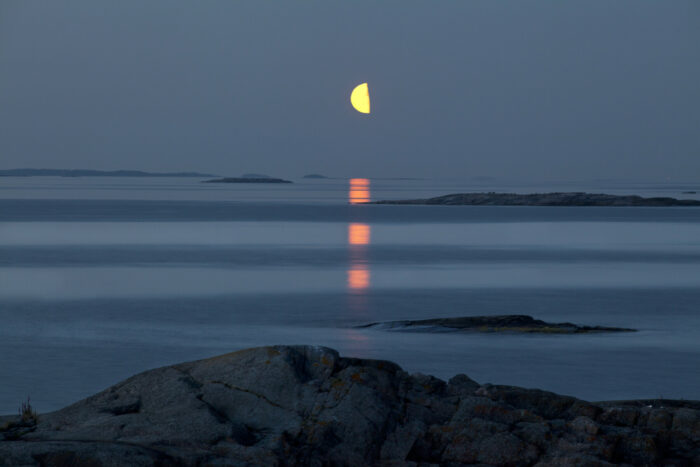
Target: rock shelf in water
304, 405
502, 323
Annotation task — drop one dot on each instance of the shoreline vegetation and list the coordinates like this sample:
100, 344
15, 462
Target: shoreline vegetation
307, 405
544, 199
485, 324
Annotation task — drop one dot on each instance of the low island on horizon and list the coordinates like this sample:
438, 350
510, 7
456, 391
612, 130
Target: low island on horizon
247, 180
95, 173
544, 199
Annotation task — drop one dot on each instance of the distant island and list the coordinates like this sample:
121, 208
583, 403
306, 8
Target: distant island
246, 180
545, 199
254, 175
94, 173
314, 176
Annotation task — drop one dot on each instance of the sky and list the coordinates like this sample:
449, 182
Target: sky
532, 90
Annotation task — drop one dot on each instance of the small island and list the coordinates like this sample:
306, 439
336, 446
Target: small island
502, 323
246, 180
255, 175
544, 199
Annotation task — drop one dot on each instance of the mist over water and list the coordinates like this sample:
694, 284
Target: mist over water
100, 279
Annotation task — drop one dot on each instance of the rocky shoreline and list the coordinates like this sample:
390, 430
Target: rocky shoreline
545, 199
303, 405
498, 323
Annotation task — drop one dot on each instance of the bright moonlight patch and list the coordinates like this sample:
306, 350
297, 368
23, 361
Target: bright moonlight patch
360, 98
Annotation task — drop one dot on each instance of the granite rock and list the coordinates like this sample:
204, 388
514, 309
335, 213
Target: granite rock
303, 405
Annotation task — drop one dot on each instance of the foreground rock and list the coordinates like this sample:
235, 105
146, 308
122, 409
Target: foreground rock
247, 180
546, 199
503, 323
308, 406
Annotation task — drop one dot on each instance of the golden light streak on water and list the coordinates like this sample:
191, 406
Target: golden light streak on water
358, 277
359, 190
358, 234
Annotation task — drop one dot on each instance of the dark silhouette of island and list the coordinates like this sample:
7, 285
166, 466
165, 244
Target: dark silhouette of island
254, 175
246, 180
94, 173
544, 199
397, 178
307, 405
502, 323
314, 176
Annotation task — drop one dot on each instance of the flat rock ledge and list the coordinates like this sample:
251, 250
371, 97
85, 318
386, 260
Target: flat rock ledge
306, 405
545, 199
498, 323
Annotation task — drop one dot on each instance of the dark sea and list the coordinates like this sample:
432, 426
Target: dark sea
102, 278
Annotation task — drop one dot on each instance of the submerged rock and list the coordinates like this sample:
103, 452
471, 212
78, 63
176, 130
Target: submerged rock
498, 323
546, 199
306, 405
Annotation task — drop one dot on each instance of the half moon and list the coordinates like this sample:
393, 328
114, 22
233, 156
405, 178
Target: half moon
360, 98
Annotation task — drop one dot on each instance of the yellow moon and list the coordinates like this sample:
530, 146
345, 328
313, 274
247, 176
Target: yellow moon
360, 98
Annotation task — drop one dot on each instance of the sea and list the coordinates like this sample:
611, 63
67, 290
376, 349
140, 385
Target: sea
102, 278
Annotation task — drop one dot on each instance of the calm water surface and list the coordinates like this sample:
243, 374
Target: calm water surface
101, 278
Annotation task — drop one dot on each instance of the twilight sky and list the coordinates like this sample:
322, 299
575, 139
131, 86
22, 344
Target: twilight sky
538, 90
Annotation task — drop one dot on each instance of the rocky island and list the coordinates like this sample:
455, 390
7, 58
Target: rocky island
503, 323
247, 180
545, 199
304, 405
